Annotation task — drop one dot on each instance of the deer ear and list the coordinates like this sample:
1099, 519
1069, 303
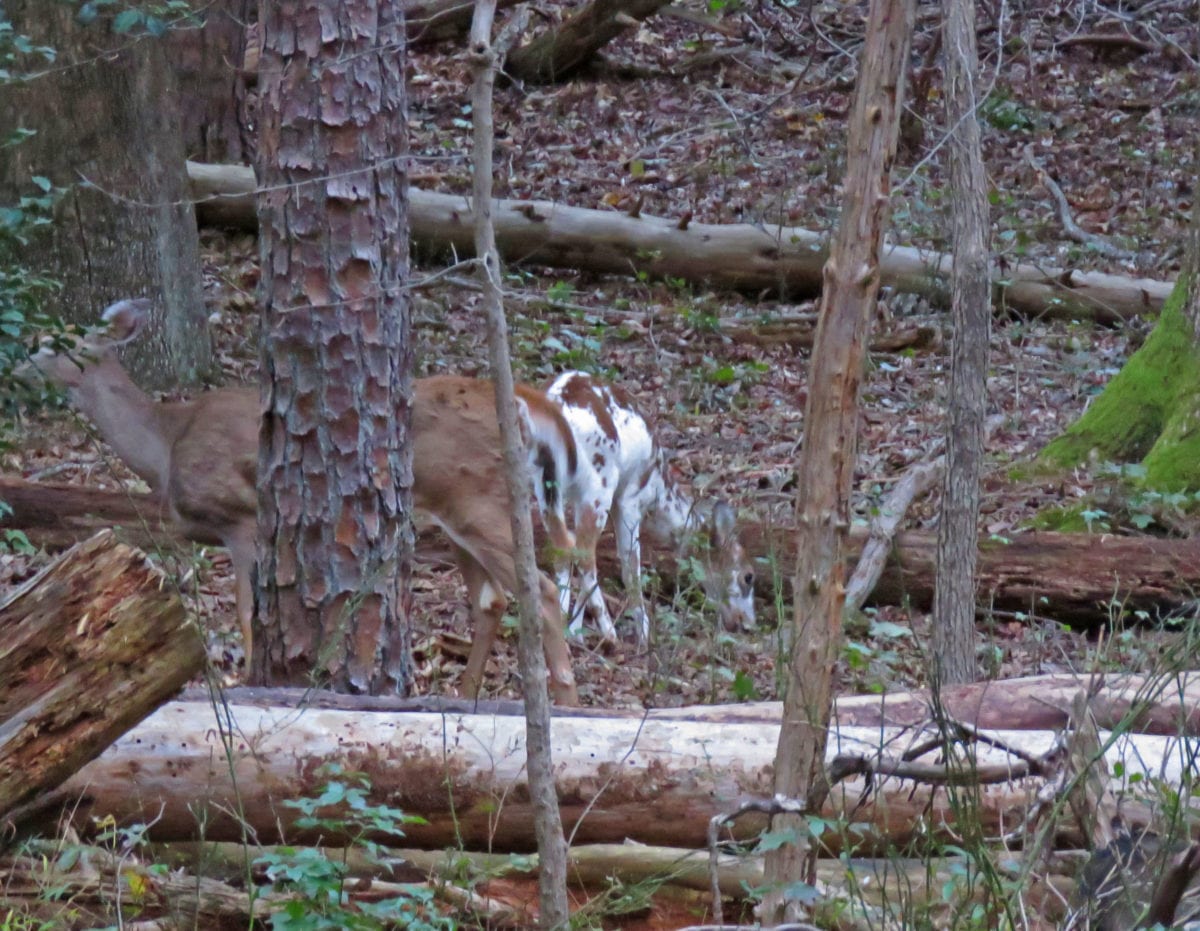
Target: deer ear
724, 520
126, 319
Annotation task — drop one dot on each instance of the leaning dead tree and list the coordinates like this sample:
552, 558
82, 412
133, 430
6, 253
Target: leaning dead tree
740, 257
826, 469
92, 644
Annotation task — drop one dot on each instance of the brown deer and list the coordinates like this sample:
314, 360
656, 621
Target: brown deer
201, 457
619, 470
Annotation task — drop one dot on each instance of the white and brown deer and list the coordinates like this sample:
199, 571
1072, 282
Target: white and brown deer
619, 469
200, 456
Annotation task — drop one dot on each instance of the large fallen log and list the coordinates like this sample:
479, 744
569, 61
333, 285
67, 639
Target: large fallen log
740, 257
653, 781
1167, 705
92, 644
58, 515
1078, 578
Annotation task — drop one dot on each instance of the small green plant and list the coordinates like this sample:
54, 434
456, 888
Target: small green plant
13, 541
1006, 114
317, 883
154, 19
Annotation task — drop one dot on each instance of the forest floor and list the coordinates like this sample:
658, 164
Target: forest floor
743, 119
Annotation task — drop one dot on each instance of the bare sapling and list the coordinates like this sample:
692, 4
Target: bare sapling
200, 457
618, 470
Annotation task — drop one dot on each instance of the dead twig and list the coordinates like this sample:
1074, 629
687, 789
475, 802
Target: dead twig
1073, 230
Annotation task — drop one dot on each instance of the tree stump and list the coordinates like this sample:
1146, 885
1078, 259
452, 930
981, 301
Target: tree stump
91, 646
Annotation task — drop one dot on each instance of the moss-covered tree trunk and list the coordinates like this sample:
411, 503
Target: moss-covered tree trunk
1150, 411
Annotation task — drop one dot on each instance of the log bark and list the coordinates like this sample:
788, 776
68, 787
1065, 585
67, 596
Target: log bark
741, 257
652, 781
559, 54
882, 883
1075, 578
92, 645
58, 515
1167, 705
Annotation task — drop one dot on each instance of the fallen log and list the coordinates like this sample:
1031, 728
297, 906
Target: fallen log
651, 781
92, 644
94, 889
1164, 705
559, 53
887, 883
740, 257
58, 515
1076, 578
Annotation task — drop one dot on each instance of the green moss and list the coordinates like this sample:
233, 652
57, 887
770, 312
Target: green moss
1126, 421
1173, 463
1066, 519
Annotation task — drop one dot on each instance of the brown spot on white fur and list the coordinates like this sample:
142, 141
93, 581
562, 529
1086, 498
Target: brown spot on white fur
582, 391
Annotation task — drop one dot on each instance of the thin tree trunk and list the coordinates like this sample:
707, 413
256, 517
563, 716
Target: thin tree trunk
826, 467
552, 847
954, 598
335, 467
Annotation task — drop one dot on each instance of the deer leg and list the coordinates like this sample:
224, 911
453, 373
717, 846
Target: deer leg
591, 521
489, 571
241, 554
554, 644
627, 525
487, 602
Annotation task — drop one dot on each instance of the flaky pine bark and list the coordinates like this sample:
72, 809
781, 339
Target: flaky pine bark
826, 466
954, 597
552, 847
335, 468
107, 132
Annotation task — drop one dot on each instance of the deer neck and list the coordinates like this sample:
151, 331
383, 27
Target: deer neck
130, 421
673, 517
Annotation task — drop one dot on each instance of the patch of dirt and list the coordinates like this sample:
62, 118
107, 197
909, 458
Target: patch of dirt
747, 124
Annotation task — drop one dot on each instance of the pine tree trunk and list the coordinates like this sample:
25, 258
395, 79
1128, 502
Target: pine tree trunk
107, 129
335, 463
954, 597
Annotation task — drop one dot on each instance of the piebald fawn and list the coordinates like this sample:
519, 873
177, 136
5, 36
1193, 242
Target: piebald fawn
619, 470
201, 456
